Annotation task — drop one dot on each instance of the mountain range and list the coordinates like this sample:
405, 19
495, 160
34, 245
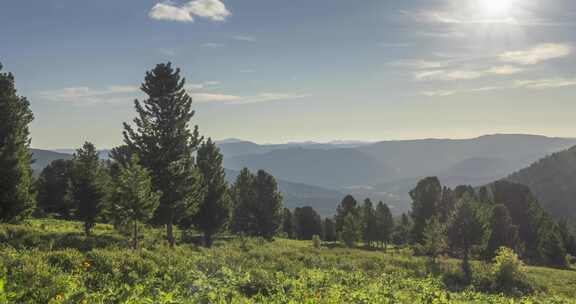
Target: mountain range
320, 174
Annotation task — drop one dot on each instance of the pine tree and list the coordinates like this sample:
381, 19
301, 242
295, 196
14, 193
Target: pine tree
16, 194
166, 145
434, 237
502, 233
402, 230
88, 189
425, 200
329, 230
268, 212
467, 230
55, 189
244, 203
307, 223
287, 223
384, 224
348, 205
568, 237
134, 201
214, 211
369, 224
351, 229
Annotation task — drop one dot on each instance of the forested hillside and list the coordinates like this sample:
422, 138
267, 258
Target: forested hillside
553, 181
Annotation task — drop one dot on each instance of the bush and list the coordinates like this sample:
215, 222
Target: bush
316, 241
509, 274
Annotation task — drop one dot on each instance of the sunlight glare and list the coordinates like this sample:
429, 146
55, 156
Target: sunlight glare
496, 8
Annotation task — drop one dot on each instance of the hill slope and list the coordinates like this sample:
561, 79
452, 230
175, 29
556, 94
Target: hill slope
553, 181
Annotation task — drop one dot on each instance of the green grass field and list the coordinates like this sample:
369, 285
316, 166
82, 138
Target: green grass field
50, 261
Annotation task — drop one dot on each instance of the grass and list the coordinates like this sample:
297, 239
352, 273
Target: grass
50, 261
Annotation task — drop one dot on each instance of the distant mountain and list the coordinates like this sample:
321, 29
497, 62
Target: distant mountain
326, 168
44, 157
553, 181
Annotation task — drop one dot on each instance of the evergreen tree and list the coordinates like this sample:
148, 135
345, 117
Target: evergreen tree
268, 212
287, 223
434, 237
425, 199
166, 145
307, 223
88, 186
503, 232
351, 229
384, 224
568, 237
133, 197
466, 231
244, 202
402, 230
369, 224
55, 189
446, 205
550, 246
347, 206
329, 230
214, 211
16, 194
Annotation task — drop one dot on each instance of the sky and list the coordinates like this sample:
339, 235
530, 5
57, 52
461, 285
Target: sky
281, 71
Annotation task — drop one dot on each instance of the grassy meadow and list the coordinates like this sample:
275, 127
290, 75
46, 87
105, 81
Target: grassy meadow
51, 261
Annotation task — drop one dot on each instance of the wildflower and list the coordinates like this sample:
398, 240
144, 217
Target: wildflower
59, 297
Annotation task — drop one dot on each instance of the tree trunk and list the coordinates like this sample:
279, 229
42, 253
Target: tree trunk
170, 232
87, 228
135, 240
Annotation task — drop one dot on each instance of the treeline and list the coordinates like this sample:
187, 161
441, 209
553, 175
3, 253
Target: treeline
165, 173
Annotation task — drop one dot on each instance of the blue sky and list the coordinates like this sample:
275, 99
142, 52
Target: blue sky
278, 71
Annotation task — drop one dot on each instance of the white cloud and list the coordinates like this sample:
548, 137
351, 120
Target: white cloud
452, 17
212, 45
209, 97
214, 10
86, 95
448, 75
198, 86
505, 70
244, 38
545, 83
235, 99
169, 12
537, 54
418, 64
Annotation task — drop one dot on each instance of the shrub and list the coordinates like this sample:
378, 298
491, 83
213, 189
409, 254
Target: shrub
509, 274
316, 241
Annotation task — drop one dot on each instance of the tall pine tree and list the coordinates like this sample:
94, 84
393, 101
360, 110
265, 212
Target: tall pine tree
384, 224
163, 140
243, 199
214, 211
425, 200
268, 211
55, 189
16, 194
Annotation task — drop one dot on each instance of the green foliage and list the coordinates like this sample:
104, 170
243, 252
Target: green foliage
509, 273
165, 144
425, 200
244, 270
55, 189
348, 205
287, 223
434, 238
329, 230
214, 211
243, 198
316, 241
17, 197
502, 233
369, 223
384, 224
133, 197
88, 186
307, 223
351, 230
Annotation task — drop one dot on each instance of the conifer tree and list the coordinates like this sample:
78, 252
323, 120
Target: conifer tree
134, 201
402, 230
369, 224
214, 211
287, 223
268, 211
384, 224
348, 205
244, 203
351, 229
307, 223
329, 230
16, 194
502, 233
55, 189
434, 237
425, 200
163, 140
88, 186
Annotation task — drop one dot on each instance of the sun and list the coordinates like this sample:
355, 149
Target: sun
496, 8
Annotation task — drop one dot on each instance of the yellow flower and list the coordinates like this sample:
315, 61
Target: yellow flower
59, 297
86, 265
